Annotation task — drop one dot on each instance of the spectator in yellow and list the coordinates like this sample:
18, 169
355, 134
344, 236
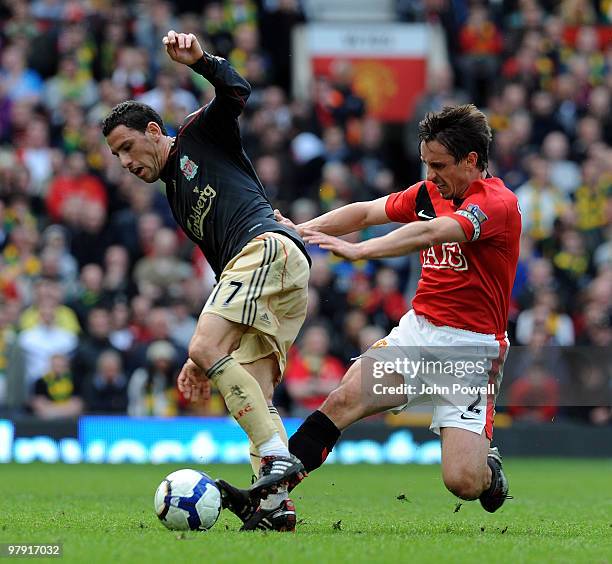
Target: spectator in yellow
56, 394
50, 291
541, 202
590, 197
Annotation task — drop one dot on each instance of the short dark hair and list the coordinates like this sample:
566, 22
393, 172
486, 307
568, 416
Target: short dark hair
132, 114
461, 130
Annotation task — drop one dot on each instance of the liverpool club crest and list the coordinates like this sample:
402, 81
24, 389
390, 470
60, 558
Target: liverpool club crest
188, 167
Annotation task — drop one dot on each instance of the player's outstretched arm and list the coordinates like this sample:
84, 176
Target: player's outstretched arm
341, 221
231, 90
407, 239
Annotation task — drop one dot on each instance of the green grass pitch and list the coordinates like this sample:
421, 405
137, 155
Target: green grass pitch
562, 512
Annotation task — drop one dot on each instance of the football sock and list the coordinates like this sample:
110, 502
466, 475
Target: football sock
254, 451
279, 424
274, 446
314, 440
244, 400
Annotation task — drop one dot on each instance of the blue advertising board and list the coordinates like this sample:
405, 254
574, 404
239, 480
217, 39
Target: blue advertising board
116, 440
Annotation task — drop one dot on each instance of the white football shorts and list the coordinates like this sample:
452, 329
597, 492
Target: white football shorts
456, 370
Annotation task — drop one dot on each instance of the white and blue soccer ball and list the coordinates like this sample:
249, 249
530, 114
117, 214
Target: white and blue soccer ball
188, 499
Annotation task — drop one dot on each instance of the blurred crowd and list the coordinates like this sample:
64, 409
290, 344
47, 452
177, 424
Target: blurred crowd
99, 290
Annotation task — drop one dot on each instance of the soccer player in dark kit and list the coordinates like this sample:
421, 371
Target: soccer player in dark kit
259, 303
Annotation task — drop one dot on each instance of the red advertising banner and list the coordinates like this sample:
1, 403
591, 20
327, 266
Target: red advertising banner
389, 63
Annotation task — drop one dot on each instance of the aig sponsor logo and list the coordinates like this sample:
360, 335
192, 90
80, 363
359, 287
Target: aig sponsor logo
199, 210
444, 256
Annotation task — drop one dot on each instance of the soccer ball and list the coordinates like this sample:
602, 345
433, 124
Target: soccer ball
188, 499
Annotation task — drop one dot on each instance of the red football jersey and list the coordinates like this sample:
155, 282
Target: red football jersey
466, 285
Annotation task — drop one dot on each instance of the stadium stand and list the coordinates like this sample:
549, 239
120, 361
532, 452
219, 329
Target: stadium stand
99, 290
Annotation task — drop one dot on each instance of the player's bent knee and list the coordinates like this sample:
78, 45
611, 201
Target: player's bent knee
464, 483
204, 352
214, 338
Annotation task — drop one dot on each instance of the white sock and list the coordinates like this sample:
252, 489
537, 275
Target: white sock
274, 500
274, 446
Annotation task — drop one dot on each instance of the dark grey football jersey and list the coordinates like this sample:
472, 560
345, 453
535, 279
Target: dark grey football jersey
213, 190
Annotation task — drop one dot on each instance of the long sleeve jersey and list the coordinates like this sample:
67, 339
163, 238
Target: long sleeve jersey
213, 189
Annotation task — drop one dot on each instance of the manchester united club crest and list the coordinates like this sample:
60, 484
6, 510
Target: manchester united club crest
188, 167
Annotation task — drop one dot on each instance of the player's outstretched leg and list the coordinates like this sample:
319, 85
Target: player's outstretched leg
493, 498
314, 440
320, 431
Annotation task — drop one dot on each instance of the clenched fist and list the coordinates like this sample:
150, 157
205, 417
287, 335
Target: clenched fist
183, 47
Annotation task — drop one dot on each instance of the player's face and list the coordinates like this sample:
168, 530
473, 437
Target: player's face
138, 152
451, 178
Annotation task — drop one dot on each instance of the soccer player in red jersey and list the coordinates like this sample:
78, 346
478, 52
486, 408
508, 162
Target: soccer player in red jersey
467, 226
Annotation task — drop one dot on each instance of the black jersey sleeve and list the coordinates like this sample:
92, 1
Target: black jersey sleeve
231, 90
219, 119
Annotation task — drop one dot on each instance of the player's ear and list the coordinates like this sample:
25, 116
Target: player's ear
154, 130
472, 159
